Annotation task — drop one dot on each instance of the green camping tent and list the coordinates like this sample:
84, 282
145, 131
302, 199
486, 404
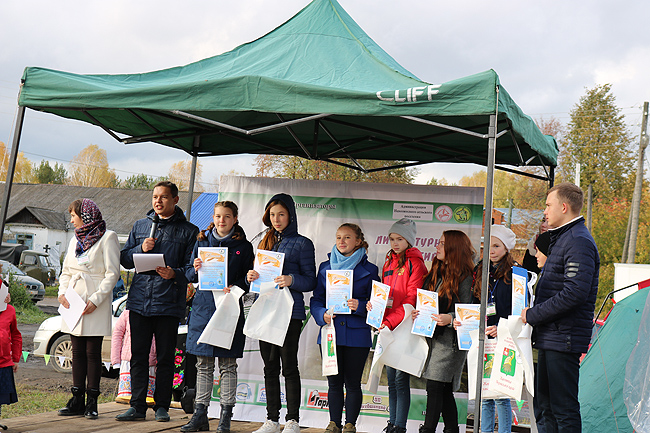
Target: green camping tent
602, 372
316, 86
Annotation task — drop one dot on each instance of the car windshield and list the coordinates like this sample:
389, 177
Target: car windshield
44, 261
8, 268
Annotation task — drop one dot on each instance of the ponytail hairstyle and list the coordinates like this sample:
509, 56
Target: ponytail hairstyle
456, 266
270, 238
358, 233
237, 234
503, 270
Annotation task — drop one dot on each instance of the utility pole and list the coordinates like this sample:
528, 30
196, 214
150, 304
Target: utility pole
590, 196
509, 213
636, 198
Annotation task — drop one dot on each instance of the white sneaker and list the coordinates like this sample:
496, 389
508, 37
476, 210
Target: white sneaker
291, 427
269, 427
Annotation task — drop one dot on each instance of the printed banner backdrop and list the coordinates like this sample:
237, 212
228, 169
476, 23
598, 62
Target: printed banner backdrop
321, 207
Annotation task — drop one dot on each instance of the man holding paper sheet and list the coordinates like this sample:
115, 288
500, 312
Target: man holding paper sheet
157, 299
564, 309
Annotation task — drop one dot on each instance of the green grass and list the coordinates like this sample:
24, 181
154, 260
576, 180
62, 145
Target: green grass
27, 315
52, 291
32, 401
26, 311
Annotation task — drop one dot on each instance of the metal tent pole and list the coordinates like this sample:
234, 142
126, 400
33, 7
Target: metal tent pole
486, 265
195, 151
11, 167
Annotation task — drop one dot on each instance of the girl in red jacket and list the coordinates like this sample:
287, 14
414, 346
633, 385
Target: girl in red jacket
11, 345
403, 271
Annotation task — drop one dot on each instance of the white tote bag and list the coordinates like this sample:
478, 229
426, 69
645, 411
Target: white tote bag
328, 348
488, 364
407, 352
508, 372
220, 330
269, 316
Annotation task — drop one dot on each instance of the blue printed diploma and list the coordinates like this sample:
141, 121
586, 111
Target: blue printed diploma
468, 315
519, 290
269, 265
427, 304
338, 289
213, 273
378, 299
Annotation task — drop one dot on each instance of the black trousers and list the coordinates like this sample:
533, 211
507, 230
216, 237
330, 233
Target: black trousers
351, 362
272, 356
86, 361
143, 329
440, 400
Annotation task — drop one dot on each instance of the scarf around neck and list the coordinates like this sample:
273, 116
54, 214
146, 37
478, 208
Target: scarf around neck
93, 229
340, 262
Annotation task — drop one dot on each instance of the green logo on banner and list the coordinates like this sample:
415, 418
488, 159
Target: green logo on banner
462, 214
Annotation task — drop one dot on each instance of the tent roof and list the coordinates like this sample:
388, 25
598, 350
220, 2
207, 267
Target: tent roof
341, 94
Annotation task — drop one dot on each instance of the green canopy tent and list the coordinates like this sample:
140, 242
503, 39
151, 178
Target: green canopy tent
318, 87
603, 370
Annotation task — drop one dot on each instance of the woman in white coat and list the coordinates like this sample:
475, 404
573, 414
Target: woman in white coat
91, 268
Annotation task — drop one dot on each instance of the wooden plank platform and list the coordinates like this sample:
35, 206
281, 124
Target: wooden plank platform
51, 422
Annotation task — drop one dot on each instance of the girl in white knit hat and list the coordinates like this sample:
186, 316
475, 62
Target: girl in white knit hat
499, 304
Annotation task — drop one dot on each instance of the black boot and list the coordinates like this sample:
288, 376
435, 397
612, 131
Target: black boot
224, 419
199, 421
76, 405
399, 429
91, 404
389, 428
424, 429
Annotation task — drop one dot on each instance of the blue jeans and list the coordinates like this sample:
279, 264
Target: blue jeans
504, 411
399, 396
556, 389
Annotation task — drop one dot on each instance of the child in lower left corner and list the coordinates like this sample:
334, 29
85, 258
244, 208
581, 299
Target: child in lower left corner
11, 344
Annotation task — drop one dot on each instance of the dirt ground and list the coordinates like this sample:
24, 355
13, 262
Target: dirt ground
35, 374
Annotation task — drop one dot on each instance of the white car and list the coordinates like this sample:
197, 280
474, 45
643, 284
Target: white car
34, 288
49, 339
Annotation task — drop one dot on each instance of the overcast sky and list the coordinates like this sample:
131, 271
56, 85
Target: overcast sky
545, 53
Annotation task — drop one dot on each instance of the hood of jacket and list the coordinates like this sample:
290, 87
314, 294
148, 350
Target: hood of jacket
288, 202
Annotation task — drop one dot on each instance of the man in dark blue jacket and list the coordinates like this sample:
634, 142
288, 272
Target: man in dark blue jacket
563, 312
156, 299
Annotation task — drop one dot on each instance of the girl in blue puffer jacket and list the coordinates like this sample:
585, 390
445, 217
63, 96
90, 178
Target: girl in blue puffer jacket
299, 276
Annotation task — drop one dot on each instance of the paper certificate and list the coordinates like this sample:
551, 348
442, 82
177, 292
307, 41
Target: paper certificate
338, 289
72, 315
213, 273
148, 262
269, 265
468, 315
427, 304
4, 291
519, 290
378, 299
